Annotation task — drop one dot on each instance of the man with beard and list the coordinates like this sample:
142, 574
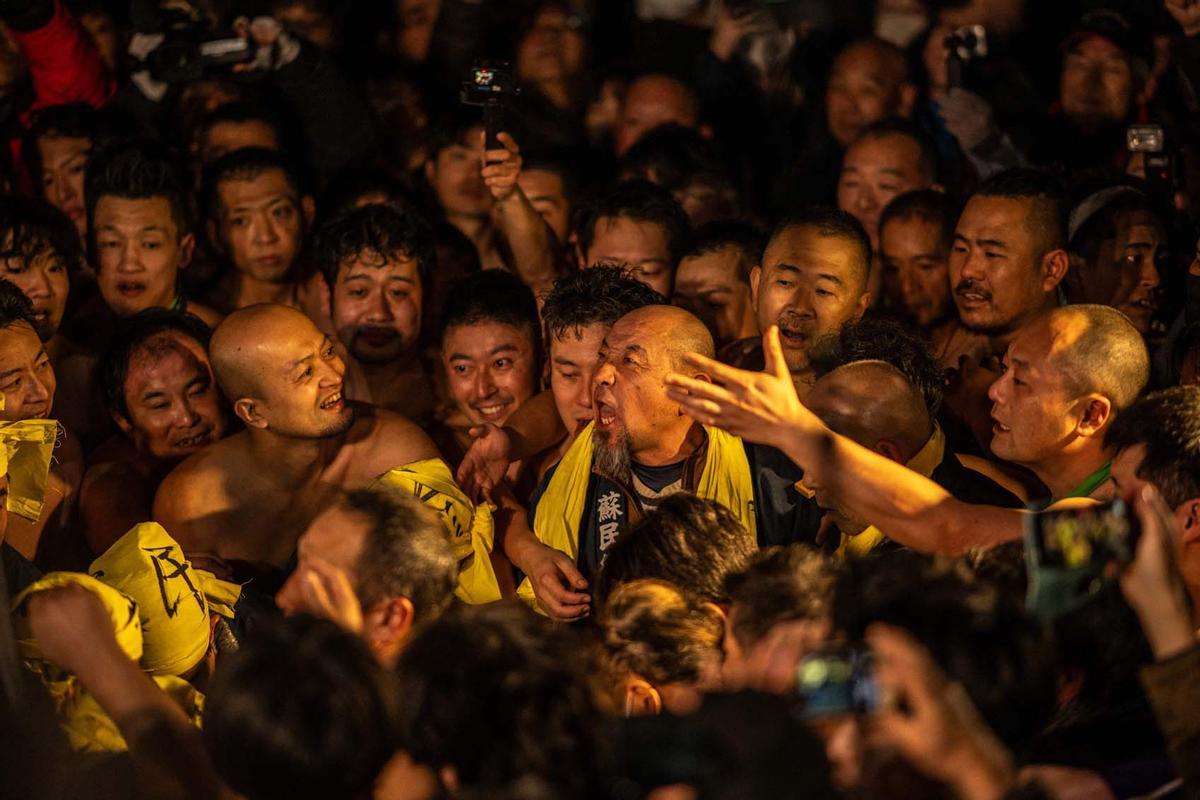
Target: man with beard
1006, 263
812, 280
375, 261
247, 498
641, 448
160, 391
916, 232
1116, 240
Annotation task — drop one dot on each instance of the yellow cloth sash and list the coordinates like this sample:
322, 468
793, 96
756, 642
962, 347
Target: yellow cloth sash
725, 478
174, 600
86, 724
470, 527
923, 463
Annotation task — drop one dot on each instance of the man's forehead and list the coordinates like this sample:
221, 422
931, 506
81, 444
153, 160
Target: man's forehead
481, 338
270, 184
806, 248
717, 267
379, 265
19, 342
141, 212
1005, 215
893, 151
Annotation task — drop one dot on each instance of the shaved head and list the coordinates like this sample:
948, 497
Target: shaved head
681, 331
1099, 350
244, 345
872, 401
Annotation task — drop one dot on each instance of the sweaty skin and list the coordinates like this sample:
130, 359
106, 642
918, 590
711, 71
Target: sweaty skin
249, 497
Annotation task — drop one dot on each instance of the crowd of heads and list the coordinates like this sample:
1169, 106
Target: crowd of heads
577, 444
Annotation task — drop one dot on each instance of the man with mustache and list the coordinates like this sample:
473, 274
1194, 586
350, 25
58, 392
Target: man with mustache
160, 392
1006, 263
812, 279
641, 448
245, 500
375, 261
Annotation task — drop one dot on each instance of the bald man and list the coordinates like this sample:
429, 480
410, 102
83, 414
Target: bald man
650, 101
868, 82
874, 404
1066, 378
244, 501
641, 448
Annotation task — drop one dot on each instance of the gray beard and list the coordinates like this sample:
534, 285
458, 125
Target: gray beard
613, 459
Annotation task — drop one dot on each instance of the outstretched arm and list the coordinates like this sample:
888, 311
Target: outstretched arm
763, 407
529, 238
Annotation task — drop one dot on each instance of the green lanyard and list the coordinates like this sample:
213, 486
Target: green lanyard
1091, 482
178, 304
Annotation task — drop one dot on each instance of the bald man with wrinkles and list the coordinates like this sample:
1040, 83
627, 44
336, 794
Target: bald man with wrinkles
243, 502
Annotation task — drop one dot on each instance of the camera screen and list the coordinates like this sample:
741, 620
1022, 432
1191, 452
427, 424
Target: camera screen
1086, 537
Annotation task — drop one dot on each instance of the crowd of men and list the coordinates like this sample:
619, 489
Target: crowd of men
754, 399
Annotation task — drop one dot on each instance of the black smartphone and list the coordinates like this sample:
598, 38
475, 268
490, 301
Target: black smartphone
836, 682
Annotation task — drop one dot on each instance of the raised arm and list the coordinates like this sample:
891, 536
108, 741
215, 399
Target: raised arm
909, 508
529, 238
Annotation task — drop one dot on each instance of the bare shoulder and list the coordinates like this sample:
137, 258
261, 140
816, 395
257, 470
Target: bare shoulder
211, 316
382, 440
195, 486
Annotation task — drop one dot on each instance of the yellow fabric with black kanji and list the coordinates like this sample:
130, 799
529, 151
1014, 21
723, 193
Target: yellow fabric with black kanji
174, 600
84, 722
469, 526
725, 479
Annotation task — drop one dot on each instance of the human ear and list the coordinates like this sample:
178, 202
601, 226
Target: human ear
641, 699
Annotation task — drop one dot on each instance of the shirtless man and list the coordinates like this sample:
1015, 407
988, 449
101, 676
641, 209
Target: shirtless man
249, 497
159, 390
28, 384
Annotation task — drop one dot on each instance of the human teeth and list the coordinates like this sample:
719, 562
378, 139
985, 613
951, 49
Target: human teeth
489, 410
332, 400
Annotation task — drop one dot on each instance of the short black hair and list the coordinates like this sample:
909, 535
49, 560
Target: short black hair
67, 120
240, 111
15, 307
559, 161
687, 541
375, 229
493, 295
834, 223
676, 157
406, 553
929, 205
302, 710
129, 337
137, 169
898, 126
638, 200
1167, 424
499, 696
351, 184
780, 584
1101, 226
31, 228
873, 339
596, 295
451, 128
245, 164
743, 236
1048, 214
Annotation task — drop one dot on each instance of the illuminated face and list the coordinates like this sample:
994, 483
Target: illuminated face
1124, 274
456, 176
376, 306
643, 247
874, 171
139, 252
543, 53
863, 89
173, 403
712, 287
915, 276
225, 137
995, 266
1096, 88
1034, 413
573, 359
1128, 485
491, 369
302, 384
26, 376
64, 162
629, 399
44, 281
545, 192
809, 285
261, 225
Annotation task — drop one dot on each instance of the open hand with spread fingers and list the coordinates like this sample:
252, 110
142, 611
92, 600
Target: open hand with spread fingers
760, 407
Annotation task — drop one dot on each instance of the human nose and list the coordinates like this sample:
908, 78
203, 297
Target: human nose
380, 310
605, 375
37, 286
485, 383
583, 395
130, 259
186, 415
264, 230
